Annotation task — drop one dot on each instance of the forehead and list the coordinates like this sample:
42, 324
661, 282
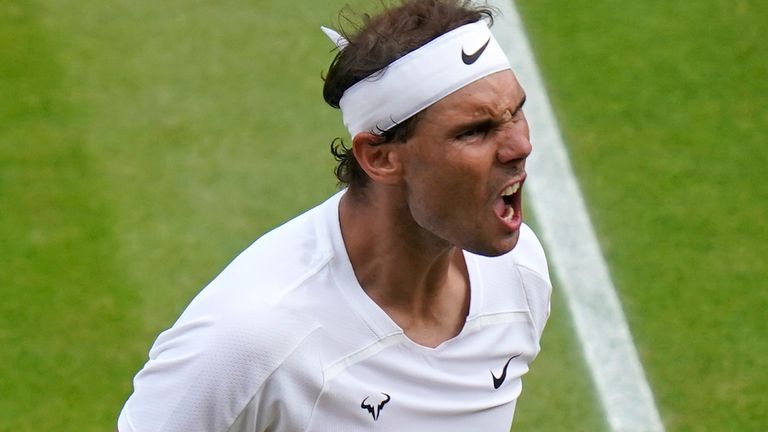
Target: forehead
491, 95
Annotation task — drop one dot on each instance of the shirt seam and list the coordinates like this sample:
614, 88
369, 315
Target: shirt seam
280, 364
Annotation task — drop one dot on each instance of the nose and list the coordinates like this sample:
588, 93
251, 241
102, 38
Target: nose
514, 144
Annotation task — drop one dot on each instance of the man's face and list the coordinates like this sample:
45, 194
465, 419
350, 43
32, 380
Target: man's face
464, 166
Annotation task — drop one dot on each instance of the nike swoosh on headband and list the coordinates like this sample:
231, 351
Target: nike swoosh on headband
418, 80
468, 59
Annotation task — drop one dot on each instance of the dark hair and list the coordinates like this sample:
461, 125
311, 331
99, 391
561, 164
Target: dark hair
378, 41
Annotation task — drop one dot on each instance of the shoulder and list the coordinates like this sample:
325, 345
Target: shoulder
237, 324
283, 255
519, 279
214, 367
529, 254
236, 340
275, 263
240, 310
532, 266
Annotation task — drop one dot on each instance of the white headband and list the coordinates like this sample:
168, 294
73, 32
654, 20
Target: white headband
420, 78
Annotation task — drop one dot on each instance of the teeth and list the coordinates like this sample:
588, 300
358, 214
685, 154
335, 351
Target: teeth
509, 211
511, 189
509, 214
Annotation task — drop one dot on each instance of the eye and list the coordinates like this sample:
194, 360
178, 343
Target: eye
468, 134
474, 132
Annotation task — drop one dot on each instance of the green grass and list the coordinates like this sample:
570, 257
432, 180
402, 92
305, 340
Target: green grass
663, 105
144, 144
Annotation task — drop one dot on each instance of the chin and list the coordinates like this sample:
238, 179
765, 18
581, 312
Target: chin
497, 248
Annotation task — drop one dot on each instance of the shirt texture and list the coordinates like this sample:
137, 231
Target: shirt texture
285, 339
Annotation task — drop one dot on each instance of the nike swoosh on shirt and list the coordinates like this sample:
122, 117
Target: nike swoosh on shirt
468, 59
498, 381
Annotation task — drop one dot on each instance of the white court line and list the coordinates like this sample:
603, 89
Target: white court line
573, 250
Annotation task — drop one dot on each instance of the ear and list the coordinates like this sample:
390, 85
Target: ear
380, 161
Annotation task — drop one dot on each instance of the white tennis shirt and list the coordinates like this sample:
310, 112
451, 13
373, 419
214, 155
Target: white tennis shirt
285, 339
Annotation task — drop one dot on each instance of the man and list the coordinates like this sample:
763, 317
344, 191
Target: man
412, 300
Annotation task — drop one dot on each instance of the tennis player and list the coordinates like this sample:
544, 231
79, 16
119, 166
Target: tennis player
412, 300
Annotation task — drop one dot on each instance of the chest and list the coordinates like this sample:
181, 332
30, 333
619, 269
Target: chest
469, 382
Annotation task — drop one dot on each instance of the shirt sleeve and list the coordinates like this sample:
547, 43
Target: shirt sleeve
532, 264
213, 372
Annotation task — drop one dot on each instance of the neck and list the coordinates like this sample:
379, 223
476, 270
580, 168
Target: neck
420, 281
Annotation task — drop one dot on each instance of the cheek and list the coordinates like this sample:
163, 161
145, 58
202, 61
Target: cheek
446, 193
446, 177
449, 181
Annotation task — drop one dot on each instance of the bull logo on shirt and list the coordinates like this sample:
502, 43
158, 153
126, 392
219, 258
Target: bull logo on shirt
375, 405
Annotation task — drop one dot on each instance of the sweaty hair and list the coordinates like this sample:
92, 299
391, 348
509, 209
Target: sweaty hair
375, 43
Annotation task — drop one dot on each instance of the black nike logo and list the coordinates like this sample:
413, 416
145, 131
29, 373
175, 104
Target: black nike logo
468, 59
498, 381
375, 409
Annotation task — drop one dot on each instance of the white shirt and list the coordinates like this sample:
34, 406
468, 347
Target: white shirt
285, 339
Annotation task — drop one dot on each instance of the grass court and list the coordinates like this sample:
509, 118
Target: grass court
144, 144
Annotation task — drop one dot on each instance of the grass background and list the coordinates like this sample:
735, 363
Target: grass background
144, 144
664, 105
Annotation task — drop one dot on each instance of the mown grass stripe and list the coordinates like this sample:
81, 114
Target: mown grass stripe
66, 306
574, 252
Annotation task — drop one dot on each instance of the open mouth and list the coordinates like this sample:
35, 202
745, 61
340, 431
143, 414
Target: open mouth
508, 205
